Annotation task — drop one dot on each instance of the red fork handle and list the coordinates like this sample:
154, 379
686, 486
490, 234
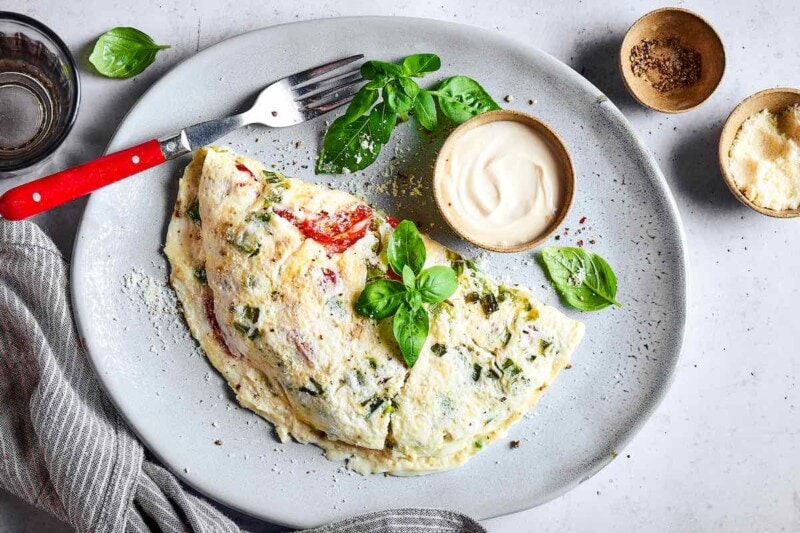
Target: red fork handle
46, 193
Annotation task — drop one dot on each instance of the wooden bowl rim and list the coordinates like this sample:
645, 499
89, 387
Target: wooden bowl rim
565, 160
656, 107
723, 151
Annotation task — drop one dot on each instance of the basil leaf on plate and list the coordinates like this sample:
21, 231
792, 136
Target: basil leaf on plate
382, 121
124, 52
396, 98
374, 69
362, 102
461, 98
406, 248
409, 86
584, 280
348, 146
425, 110
437, 283
410, 328
380, 298
420, 64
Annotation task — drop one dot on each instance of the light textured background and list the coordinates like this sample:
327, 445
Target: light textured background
722, 453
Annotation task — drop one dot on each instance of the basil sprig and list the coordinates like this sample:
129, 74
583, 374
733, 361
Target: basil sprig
124, 52
584, 280
405, 300
354, 140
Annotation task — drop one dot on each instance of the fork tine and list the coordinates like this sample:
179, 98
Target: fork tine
308, 75
317, 111
322, 95
320, 87
331, 98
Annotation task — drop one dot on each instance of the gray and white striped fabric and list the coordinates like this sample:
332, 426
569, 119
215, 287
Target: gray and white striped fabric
64, 448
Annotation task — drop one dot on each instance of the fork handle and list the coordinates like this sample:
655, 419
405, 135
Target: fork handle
46, 193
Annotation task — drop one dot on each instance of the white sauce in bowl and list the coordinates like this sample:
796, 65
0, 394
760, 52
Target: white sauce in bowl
501, 183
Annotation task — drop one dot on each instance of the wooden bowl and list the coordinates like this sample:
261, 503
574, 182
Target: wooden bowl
694, 32
561, 153
775, 100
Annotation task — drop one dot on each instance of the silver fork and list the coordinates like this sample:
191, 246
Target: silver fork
291, 100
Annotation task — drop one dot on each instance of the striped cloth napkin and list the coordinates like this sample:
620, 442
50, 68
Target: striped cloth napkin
65, 449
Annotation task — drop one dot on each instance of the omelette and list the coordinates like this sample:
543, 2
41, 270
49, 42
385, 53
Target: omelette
268, 269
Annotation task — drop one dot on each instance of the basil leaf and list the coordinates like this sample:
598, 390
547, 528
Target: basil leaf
425, 110
348, 146
408, 277
382, 121
410, 328
406, 248
409, 86
124, 52
461, 98
396, 98
373, 69
414, 299
420, 64
437, 283
361, 103
380, 299
583, 279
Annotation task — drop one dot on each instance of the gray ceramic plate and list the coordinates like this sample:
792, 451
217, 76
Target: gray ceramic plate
179, 406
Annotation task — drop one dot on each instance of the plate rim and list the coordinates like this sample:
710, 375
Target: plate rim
626, 435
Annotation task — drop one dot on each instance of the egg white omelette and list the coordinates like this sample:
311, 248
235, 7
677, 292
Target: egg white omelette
268, 269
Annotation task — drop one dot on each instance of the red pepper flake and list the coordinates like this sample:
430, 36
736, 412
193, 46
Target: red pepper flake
393, 222
580, 242
329, 275
582, 220
337, 232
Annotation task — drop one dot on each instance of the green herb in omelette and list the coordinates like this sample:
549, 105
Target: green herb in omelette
354, 140
406, 301
124, 52
194, 211
583, 279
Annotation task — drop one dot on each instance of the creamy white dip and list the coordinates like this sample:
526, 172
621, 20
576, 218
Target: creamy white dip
501, 183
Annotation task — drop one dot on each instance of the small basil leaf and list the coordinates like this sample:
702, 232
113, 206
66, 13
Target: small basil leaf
437, 283
410, 328
348, 146
124, 52
425, 110
584, 280
396, 98
409, 86
380, 299
414, 299
406, 248
461, 98
373, 69
408, 277
361, 103
420, 64
382, 121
